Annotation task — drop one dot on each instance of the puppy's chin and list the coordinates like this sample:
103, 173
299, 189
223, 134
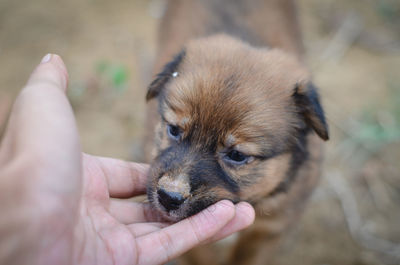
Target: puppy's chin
171, 216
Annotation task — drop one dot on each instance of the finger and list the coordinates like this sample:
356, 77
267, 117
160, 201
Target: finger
51, 70
124, 179
128, 212
141, 229
244, 217
163, 245
42, 129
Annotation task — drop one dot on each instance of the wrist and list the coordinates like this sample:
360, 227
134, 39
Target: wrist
34, 226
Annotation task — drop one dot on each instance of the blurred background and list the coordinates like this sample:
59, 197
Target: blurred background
353, 51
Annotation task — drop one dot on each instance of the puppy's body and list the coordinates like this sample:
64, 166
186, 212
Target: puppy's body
235, 121
271, 23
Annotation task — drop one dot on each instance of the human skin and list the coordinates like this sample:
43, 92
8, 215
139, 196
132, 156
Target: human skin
61, 206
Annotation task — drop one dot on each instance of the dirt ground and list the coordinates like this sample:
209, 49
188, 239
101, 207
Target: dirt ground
353, 51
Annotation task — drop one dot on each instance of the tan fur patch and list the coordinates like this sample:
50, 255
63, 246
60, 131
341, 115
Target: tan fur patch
179, 184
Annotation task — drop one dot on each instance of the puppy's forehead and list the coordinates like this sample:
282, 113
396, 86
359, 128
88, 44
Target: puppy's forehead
228, 87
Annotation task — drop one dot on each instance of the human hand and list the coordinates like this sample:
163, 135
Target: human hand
59, 206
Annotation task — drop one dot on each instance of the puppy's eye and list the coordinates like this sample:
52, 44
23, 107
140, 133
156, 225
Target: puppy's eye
174, 132
236, 157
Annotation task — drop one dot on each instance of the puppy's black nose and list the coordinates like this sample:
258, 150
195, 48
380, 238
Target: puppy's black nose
170, 200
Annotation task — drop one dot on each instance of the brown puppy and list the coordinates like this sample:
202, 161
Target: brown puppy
235, 121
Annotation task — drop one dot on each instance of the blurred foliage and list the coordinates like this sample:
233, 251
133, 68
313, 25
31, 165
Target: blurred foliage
389, 10
376, 126
106, 83
114, 74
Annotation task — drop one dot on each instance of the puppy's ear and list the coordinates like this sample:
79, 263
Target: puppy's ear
166, 74
307, 99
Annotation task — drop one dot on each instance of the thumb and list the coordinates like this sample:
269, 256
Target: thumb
51, 70
42, 128
40, 158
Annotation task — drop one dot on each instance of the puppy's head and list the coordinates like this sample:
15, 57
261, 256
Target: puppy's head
233, 121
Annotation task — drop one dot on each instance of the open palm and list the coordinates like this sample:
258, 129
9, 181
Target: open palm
125, 231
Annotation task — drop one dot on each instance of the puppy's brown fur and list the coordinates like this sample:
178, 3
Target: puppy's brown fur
235, 121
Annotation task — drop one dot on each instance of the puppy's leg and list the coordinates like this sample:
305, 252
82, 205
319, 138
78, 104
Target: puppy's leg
257, 245
202, 255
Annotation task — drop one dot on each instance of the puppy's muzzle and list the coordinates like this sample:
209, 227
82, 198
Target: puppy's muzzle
172, 191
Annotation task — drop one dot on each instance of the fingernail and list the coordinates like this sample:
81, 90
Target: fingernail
46, 58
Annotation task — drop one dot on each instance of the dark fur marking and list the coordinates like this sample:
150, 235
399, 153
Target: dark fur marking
312, 112
310, 108
203, 170
299, 156
209, 172
200, 205
166, 74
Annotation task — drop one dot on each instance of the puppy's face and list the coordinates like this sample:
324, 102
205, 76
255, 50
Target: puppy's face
233, 125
